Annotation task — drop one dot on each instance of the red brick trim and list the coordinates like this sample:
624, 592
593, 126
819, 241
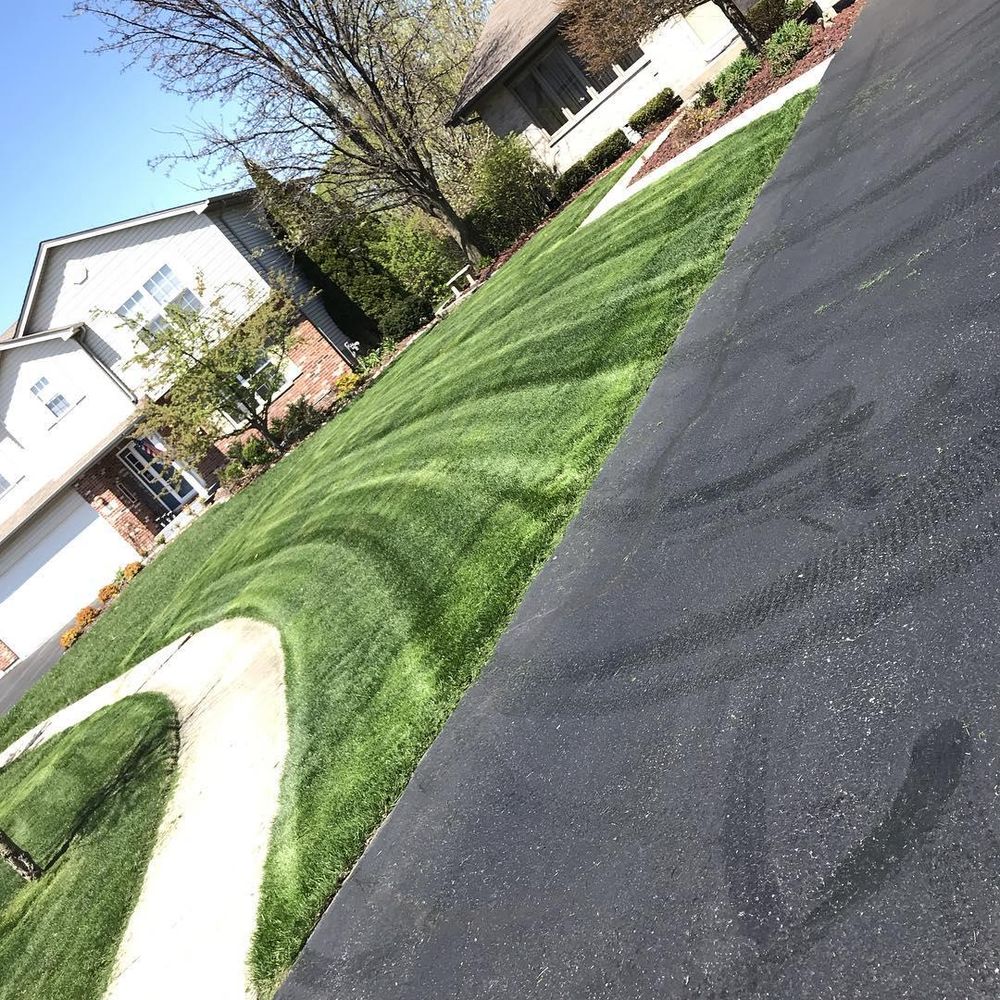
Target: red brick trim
7, 656
105, 487
321, 367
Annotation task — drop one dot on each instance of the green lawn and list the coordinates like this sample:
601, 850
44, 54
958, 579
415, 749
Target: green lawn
392, 548
86, 806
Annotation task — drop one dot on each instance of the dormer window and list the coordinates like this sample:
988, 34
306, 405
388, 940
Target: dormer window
56, 402
148, 305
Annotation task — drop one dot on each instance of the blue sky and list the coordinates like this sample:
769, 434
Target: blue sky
77, 137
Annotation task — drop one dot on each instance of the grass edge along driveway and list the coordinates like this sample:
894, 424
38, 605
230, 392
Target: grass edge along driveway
392, 548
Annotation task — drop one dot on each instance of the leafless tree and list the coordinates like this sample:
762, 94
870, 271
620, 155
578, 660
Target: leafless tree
598, 31
353, 91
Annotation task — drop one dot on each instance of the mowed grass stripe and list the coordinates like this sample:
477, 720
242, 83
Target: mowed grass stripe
392, 548
86, 806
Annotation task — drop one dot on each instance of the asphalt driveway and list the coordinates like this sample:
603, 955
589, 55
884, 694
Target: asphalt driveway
743, 737
15, 682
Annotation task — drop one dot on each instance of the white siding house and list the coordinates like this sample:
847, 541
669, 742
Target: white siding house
523, 80
79, 497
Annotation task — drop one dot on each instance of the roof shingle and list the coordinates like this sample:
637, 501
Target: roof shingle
510, 29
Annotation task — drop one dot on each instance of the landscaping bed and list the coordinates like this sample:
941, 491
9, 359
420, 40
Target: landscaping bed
696, 123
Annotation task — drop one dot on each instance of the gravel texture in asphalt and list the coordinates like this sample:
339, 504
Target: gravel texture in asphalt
743, 737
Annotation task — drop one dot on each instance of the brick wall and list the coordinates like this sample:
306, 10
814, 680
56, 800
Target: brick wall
7, 656
321, 366
101, 488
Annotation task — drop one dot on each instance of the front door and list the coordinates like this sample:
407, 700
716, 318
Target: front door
162, 483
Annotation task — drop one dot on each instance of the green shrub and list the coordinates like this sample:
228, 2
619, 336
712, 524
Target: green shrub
706, 96
406, 317
606, 154
373, 359
299, 421
659, 109
571, 180
510, 195
731, 82
787, 46
418, 253
253, 451
765, 16
602, 156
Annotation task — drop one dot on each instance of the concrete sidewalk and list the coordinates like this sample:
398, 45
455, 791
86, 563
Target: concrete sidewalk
628, 187
740, 740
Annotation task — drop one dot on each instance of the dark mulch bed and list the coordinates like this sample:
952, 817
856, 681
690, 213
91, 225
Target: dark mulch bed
696, 124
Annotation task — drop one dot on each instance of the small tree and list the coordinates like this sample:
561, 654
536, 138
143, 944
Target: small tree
598, 31
215, 366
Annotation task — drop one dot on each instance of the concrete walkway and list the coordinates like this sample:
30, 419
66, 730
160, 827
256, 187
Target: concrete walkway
628, 187
741, 739
189, 935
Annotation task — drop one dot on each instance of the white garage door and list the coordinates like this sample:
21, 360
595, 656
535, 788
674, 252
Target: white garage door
53, 567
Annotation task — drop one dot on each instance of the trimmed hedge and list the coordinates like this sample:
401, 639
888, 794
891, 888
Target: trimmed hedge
406, 317
659, 109
787, 46
596, 161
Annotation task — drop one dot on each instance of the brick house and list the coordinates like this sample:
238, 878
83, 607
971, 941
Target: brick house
80, 496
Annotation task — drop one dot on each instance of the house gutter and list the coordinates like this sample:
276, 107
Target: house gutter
82, 330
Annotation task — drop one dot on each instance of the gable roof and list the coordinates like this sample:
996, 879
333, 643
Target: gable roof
62, 333
197, 207
512, 27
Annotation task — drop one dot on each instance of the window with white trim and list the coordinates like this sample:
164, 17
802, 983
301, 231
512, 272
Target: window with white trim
56, 402
557, 86
164, 286
5, 484
149, 304
267, 382
166, 484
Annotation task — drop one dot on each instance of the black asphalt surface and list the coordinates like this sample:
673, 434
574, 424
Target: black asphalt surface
743, 737
15, 682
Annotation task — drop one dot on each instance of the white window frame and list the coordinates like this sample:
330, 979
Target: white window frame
162, 290
47, 395
289, 370
144, 465
5, 485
